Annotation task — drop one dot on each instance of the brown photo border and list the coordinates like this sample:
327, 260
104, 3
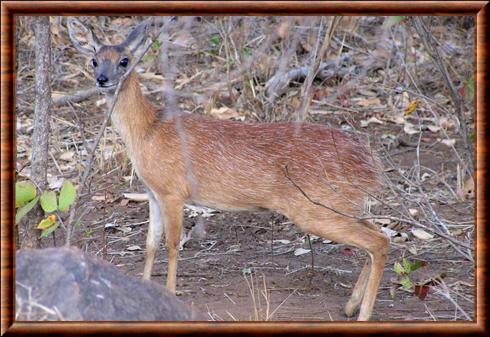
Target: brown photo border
9, 9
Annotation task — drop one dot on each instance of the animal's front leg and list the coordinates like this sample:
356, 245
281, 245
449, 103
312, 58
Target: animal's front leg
155, 231
172, 210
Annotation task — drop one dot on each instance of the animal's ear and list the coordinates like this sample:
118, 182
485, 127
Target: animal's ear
83, 38
137, 38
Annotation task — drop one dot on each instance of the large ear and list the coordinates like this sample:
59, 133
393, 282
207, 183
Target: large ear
89, 44
138, 36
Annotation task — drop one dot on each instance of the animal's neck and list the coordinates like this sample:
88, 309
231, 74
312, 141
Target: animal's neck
133, 114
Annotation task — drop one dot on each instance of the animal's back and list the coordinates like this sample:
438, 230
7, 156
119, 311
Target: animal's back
238, 165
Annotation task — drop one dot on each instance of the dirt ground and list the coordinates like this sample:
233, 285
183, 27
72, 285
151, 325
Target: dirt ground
245, 268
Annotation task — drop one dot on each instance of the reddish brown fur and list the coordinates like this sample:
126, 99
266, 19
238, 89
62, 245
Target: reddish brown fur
329, 165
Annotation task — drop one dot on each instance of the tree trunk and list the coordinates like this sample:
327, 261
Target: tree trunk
40, 137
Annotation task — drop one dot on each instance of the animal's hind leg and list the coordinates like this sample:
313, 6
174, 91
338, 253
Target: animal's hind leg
378, 250
359, 289
347, 230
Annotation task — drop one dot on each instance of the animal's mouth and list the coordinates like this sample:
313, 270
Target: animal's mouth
106, 87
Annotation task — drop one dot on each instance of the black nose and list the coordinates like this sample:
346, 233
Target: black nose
102, 79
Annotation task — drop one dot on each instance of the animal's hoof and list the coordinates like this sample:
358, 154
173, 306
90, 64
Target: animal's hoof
350, 309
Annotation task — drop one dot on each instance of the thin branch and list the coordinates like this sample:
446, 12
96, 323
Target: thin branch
316, 65
75, 97
433, 51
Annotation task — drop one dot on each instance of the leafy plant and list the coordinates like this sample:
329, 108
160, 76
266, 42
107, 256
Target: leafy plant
403, 270
215, 39
24, 192
26, 198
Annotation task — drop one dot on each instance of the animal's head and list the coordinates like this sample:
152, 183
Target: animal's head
110, 62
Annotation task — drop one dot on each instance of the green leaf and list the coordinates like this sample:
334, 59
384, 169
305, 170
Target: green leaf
406, 283
25, 191
48, 222
49, 230
418, 264
392, 20
89, 232
397, 268
67, 195
407, 265
247, 51
48, 201
22, 211
156, 45
216, 40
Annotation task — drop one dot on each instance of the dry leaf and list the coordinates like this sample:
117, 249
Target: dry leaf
405, 100
301, 251
100, 102
54, 182
434, 128
108, 198
449, 142
67, 156
400, 237
409, 129
421, 291
136, 196
383, 222
226, 113
133, 248
98, 197
467, 191
412, 250
365, 102
421, 234
282, 30
282, 241
398, 120
446, 123
184, 39
389, 232
413, 212
152, 76
457, 232
411, 108
365, 123
347, 252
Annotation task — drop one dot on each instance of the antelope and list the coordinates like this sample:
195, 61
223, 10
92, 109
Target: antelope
317, 176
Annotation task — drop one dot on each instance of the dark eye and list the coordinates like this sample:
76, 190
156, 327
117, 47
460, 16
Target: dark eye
124, 62
94, 62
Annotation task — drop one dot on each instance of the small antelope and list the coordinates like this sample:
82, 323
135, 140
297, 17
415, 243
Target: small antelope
317, 176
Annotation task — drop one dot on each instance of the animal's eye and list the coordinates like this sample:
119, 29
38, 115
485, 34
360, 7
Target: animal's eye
94, 62
124, 62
